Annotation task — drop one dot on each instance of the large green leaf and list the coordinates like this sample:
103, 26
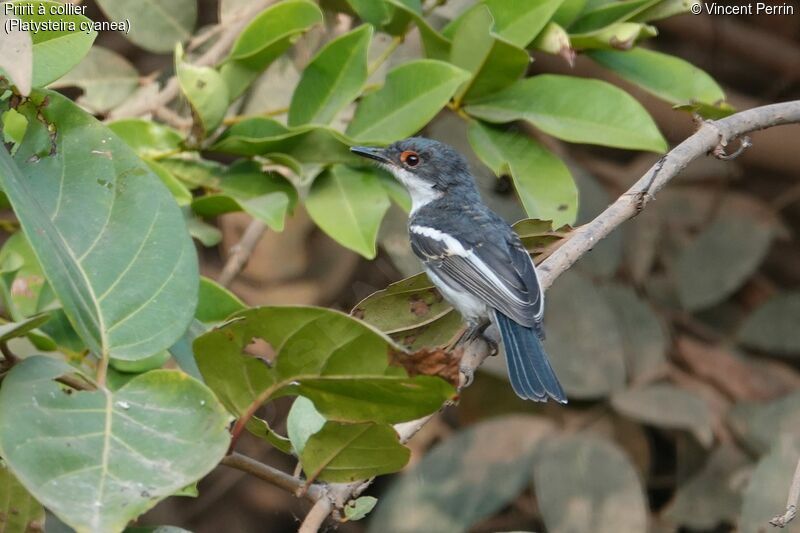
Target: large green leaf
126, 276
412, 95
267, 196
543, 182
205, 89
520, 22
608, 14
667, 406
19, 511
267, 36
106, 78
773, 326
575, 110
436, 45
584, 483
493, 62
668, 77
373, 11
147, 138
98, 458
55, 52
154, 25
465, 478
215, 302
333, 79
349, 204
339, 363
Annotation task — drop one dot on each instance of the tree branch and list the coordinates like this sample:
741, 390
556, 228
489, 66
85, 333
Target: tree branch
274, 476
149, 103
241, 252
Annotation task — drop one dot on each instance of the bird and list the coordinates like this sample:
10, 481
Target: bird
473, 257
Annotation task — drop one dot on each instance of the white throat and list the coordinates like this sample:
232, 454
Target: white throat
422, 193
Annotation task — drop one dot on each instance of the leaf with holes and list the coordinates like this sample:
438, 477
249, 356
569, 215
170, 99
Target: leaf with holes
126, 276
110, 456
154, 25
205, 89
349, 204
338, 362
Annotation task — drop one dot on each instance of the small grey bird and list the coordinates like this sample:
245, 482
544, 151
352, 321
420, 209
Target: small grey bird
473, 257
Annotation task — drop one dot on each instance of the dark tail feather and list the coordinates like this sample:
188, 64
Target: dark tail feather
530, 372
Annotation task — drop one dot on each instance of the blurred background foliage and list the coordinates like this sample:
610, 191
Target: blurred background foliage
676, 338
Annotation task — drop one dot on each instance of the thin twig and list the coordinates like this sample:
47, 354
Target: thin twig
274, 476
241, 251
316, 516
212, 56
791, 501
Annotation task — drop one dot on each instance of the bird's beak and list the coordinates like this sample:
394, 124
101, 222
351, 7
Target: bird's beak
371, 152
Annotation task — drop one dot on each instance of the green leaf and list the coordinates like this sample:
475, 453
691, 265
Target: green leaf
584, 341
520, 22
216, 303
591, 474
664, 9
463, 479
333, 79
25, 289
349, 204
147, 138
182, 195
756, 424
667, 406
493, 62
543, 182
154, 25
266, 38
19, 511
373, 11
126, 276
436, 45
765, 494
610, 13
306, 144
302, 422
107, 80
205, 89
343, 453
13, 126
618, 36
406, 304
339, 363
773, 326
359, 508
554, 39
412, 95
575, 110
11, 330
721, 258
670, 78
110, 456
16, 55
56, 52
267, 196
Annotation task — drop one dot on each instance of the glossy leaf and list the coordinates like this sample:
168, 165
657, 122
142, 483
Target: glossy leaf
493, 62
19, 511
339, 363
721, 258
56, 52
670, 78
333, 79
266, 38
154, 25
590, 474
436, 45
584, 340
543, 182
667, 406
618, 36
106, 78
205, 89
575, 110
126, 276
110, 455
147, 138
215, 302
349, 204
773, 326
16, 55
464, 478
520, 22
343, 453
610, 13
412, 95
375, 12
267, 196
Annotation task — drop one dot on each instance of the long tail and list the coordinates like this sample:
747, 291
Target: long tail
530, 372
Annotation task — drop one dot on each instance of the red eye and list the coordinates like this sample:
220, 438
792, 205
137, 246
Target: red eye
410, 158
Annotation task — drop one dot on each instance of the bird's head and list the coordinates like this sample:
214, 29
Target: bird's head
426, 167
